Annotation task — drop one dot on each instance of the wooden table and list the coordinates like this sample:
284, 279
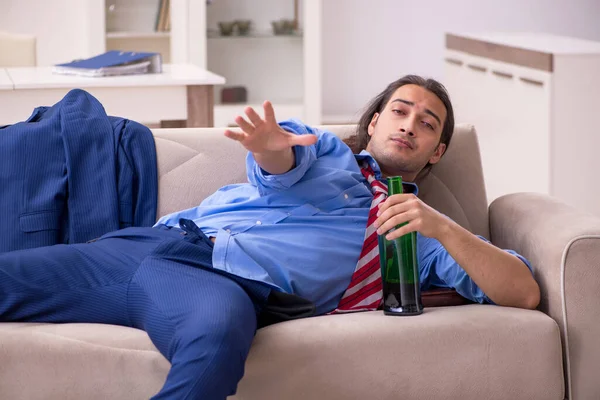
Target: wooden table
182, 95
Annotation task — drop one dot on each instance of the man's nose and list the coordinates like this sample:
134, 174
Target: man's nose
409, 132
408, 126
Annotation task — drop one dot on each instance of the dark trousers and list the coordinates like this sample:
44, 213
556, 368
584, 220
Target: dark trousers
156, 279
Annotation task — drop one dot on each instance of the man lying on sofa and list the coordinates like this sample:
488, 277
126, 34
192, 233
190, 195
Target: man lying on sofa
199, 279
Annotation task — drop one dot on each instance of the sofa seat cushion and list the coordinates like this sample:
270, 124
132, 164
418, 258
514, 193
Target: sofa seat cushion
78, 361
466, 352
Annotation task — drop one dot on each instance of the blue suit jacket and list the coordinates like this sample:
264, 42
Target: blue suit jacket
70, 173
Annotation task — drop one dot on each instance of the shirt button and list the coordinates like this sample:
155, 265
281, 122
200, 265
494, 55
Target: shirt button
346, 196
258, 223
228, 230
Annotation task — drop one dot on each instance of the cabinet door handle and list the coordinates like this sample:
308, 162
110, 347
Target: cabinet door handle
477, 68
503, 74
454, 61
531, 81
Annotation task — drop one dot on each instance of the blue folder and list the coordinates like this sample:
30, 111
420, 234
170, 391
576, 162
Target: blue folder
113, 63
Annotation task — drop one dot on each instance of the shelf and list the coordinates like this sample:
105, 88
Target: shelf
253, 35
138, 35
209, 35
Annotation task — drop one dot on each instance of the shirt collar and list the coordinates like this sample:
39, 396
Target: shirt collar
409, 187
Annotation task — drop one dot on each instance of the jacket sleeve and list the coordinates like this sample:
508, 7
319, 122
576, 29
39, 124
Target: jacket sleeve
137, 180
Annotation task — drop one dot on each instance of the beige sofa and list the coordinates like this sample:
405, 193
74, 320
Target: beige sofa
464, 352
17, 50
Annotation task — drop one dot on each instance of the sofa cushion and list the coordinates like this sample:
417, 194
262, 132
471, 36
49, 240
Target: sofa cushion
467, 352
456, 187
78, 361
183, 159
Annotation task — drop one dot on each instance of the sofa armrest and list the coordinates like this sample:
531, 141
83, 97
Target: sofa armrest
563, 246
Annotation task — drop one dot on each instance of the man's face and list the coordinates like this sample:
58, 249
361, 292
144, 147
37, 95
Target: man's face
405, 136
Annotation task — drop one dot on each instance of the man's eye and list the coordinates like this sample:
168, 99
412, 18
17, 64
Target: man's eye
428, 125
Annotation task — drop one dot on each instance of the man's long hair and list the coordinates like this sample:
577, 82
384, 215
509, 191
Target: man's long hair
358, 142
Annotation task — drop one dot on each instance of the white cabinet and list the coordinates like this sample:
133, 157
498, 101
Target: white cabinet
532, 100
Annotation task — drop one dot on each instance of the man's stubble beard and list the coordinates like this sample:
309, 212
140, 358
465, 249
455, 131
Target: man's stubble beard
391, 163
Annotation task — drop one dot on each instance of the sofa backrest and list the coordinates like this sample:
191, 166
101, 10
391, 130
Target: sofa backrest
17, 50
193, 163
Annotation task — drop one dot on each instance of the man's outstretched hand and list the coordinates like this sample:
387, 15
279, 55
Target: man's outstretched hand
269, 143
265, 135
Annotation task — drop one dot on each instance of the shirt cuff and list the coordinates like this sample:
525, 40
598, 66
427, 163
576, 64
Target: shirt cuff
304, 156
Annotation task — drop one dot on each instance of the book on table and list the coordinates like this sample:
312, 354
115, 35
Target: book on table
113, 63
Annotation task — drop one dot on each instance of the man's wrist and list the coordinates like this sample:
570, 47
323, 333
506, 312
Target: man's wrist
271, 153
447, 229
276, 162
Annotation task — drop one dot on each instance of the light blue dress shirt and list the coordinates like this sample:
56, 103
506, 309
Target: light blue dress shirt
302, 232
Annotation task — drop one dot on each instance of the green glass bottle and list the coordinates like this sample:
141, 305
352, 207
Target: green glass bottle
400, 268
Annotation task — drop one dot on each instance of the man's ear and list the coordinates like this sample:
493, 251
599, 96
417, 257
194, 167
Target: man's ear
371, 127
438, 153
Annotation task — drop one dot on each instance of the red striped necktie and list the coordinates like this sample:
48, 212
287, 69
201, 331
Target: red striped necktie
365, 292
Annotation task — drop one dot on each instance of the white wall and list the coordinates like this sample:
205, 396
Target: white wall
369, 43
62, 35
